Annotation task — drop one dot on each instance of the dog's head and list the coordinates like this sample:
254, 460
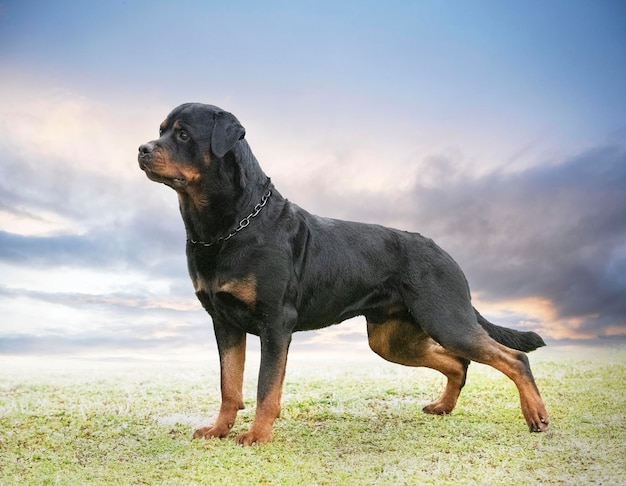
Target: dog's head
192, 136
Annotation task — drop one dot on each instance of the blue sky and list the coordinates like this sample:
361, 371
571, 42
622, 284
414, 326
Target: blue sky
496, 128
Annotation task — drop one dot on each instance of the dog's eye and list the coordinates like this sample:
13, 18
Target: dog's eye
161, 131
183, 135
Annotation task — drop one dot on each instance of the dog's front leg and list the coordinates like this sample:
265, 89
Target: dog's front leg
274, 348
231, 343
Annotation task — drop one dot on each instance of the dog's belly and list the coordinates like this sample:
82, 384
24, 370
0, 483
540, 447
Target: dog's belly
332, 308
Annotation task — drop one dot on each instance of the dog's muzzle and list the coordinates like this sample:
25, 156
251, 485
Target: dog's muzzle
145, 155
146, 163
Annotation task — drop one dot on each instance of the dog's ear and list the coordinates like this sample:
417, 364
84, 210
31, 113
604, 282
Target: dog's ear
227, 131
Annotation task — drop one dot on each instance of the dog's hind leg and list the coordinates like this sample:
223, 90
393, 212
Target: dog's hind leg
442, 308
405, 343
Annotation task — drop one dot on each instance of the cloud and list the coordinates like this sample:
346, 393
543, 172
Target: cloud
71, 192
90, 243
139, 301
91, 252
547, 242
556, 231
136, 322
109, 344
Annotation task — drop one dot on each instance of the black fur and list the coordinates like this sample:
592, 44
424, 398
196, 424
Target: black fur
522, 341
262, 265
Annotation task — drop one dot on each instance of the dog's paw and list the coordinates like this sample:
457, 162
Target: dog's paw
253, 437
536, 415
540, 424
211, 432
438, 407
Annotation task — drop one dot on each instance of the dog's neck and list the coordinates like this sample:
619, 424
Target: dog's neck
227, 193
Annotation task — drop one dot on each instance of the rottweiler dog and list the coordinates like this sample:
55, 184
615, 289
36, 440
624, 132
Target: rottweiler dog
262, 265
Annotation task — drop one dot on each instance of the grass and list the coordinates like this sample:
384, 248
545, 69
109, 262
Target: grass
358, 423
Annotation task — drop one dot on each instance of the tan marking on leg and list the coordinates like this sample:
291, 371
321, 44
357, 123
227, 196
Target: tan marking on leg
401, 342
231, 369
455, 369
404, 343
267, 410
514, 364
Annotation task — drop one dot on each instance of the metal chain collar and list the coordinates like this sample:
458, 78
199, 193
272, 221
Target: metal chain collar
242, 224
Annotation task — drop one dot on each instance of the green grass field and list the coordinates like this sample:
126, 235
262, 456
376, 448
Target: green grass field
356, 422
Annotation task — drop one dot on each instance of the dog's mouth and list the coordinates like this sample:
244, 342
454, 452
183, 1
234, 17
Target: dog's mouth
173, 182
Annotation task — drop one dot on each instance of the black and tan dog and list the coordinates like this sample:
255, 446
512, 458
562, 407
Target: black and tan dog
264, 266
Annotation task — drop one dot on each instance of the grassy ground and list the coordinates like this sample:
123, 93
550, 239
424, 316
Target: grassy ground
355, 423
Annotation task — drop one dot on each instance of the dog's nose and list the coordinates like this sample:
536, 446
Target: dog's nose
146, 148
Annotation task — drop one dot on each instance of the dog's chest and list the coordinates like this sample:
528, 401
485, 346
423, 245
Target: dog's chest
228, 298
242, 289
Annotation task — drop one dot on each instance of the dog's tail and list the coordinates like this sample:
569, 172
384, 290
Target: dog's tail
520, 340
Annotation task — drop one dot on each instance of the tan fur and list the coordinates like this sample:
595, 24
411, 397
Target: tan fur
243, 289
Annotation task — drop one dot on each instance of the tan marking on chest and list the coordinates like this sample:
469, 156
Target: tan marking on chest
243, 289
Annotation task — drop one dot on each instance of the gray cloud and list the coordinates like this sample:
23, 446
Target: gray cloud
76, 205
557, 231
106, 344
107, 220
151, 248
114, 323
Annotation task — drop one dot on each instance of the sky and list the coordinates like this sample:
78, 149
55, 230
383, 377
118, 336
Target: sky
496, 128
